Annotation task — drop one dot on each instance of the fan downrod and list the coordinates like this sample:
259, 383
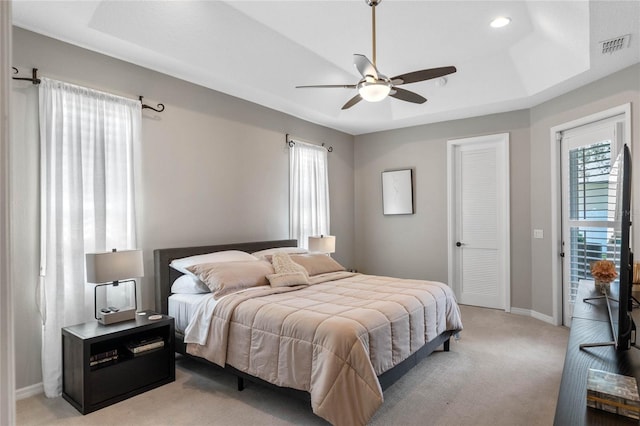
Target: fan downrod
373, 4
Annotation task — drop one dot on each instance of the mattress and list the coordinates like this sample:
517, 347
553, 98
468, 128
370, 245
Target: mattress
182, 308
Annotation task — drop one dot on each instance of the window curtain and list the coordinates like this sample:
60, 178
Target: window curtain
87, 202
308, 192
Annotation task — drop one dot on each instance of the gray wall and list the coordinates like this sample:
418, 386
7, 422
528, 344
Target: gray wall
614, 90
213, 169
415, 246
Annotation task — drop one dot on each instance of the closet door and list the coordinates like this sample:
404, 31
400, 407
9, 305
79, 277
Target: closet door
479, 233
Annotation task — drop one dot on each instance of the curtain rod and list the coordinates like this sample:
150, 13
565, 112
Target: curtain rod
291, 142
35, 80
34, 76
160, 107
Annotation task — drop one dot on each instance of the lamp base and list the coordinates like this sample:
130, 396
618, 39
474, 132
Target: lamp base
114, 317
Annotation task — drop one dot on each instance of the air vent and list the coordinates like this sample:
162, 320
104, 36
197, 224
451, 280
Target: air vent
615, 44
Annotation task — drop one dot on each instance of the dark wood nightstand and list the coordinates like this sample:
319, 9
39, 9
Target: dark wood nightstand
93, 377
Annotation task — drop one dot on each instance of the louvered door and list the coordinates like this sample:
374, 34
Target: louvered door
480, 269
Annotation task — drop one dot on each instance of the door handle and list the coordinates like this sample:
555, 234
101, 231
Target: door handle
458, 244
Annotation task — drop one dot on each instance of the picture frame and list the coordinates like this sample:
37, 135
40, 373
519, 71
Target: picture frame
397, 192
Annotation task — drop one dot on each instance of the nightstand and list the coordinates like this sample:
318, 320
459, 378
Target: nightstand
99, 367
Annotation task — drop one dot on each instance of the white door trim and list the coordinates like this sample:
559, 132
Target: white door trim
556, 214
7, 347
504, 242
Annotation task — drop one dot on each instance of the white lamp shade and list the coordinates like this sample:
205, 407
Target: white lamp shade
114, 266
322, 244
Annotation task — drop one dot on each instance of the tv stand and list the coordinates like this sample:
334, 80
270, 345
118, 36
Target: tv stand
614, 334
591, 323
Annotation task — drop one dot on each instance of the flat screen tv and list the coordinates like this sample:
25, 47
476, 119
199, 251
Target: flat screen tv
625, 327
622, 326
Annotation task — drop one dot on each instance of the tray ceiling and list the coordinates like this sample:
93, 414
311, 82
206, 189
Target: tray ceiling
260, 50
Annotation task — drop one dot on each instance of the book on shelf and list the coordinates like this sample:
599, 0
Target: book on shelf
613, 393
103, 361
140, 346
102, 355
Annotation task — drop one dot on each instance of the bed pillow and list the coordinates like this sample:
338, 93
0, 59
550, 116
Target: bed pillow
283, 264
224, 278
287, 279
316, 264
268, 253
183, 264
188, 284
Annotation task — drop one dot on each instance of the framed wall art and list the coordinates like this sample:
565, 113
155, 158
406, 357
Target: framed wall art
397, 192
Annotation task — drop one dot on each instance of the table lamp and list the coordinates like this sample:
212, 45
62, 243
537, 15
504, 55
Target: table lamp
114, 268
322, 244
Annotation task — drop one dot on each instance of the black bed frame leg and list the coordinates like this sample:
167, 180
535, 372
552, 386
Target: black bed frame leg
240, 384
446, 345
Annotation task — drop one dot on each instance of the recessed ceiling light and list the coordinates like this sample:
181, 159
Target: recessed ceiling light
500, 21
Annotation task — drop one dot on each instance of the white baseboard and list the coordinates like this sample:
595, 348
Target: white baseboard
543, 317
533, 314
520, 311
29, 391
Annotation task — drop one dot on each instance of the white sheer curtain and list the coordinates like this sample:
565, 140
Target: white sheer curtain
87, 202
308, 192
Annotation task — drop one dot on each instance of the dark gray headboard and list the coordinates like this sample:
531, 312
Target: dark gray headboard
165, 276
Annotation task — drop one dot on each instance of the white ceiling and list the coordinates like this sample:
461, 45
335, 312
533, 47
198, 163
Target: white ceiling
260, 50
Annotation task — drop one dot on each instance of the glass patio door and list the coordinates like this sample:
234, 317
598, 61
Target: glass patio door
588, 204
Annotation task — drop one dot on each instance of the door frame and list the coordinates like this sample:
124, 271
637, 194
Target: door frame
502, 141
556, 195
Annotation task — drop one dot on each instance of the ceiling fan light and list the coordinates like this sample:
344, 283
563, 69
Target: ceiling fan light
500, 21
374, 92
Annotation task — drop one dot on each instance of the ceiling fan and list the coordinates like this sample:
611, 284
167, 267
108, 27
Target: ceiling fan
374, 86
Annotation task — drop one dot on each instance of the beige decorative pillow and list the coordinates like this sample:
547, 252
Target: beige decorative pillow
316, 264
228, 277
283, 264
286, 279
268, 253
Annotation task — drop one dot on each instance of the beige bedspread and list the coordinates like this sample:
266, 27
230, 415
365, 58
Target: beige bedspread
331, 338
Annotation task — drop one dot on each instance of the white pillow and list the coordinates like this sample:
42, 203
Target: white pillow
219, 256
187, 284
266, 254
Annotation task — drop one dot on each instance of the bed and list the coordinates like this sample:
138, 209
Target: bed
317, 347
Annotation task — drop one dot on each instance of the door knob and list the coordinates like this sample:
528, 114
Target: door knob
458, 244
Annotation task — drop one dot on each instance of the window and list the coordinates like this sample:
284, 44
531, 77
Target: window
308, 192
591, 201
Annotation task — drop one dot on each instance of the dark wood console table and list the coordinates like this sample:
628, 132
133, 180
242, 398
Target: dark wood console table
590, 324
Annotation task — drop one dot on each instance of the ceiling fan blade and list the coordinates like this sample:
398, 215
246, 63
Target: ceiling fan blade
357, 98
422, 75
406, 95
330, 86
364, 66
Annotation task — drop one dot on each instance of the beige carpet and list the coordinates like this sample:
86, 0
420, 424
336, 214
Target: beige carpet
505, 370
